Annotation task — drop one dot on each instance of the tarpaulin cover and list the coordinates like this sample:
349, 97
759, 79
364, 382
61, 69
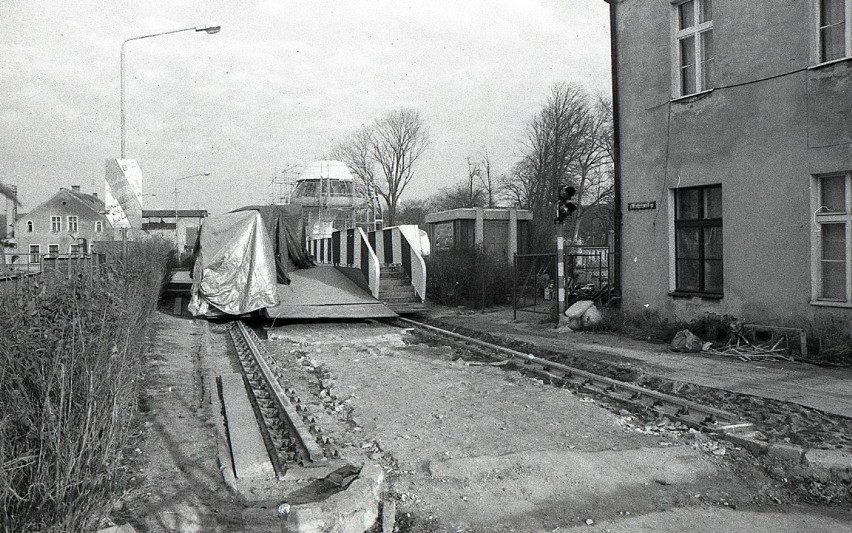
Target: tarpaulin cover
283, 224
234, 270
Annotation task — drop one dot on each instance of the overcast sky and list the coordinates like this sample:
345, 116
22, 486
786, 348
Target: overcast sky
276, 88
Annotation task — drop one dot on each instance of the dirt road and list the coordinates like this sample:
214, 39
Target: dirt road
466, 446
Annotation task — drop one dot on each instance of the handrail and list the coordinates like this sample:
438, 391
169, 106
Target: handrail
411, 233
374, 269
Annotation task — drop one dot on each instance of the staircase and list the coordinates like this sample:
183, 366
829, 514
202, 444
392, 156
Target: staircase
396, 291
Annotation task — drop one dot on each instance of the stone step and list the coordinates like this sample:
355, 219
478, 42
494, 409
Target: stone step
400, 299
406, 308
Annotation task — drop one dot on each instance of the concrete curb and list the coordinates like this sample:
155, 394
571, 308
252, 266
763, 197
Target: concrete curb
215, 409
353, 510
822, 465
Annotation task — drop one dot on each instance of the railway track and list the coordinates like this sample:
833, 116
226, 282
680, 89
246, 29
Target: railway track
290, 431
294, 439
690, 413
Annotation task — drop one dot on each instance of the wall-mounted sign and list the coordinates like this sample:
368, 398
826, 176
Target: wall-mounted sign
639, 206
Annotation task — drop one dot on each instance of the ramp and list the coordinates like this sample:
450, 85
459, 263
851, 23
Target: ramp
325, 292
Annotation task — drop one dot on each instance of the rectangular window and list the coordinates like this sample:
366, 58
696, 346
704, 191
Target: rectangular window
698, 240
693, 37
833, 21
55, 224
833, 234
74, 249
72, 223
35, 253
53, 249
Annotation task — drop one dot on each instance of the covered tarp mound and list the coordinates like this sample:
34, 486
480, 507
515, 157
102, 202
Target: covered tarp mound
283, 224
242, 255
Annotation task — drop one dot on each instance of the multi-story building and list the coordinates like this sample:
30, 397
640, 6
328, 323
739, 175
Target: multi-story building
69, 222
734, 157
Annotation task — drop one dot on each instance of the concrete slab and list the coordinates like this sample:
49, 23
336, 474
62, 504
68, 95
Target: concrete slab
325, 292
247, 448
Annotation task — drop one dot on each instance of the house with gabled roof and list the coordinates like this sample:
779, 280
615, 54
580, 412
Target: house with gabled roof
69, 222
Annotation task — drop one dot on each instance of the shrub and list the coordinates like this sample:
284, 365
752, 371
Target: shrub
468, 275
71, 346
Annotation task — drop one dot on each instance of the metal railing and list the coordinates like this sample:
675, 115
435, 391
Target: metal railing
534, 284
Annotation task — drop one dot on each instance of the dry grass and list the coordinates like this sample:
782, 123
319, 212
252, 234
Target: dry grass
71, 347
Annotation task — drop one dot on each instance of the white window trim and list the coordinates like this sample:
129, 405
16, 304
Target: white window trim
57, 249
99, 226
58, 219
76, 223
816, 239
677, 34
37, 253
816, 60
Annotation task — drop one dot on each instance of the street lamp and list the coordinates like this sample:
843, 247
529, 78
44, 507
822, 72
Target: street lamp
206, 29
177, 239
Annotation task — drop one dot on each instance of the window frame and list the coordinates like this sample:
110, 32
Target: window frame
55, 223
701, 223
695, 31
99, 226
53, 249
30, 226
76, 226
35, 254
817, 59
821, 217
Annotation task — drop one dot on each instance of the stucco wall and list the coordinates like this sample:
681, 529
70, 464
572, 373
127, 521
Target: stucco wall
62, 204
761, 139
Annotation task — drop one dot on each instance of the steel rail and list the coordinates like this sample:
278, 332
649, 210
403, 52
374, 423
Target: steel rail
307, 448
606, 384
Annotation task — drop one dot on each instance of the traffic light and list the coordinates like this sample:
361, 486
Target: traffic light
565, 207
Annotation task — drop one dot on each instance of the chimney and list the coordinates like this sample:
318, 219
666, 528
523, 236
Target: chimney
75, 188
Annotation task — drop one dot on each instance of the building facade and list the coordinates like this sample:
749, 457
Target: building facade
68, 223
500, 232
734, 141
180, 227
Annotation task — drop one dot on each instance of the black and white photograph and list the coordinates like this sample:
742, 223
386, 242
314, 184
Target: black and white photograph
426, 266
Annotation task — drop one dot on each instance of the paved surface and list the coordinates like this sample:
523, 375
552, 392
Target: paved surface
826, 389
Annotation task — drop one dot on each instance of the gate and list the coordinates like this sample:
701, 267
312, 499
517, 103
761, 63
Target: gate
534, 284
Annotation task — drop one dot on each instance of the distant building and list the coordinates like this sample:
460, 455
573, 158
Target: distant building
734, 156
183, 227
68, 223
331, 201
501, 232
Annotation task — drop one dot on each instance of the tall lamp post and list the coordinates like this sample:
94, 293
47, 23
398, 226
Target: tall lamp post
177, 237
205, 29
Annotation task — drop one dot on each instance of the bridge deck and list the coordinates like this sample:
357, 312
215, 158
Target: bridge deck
324, 292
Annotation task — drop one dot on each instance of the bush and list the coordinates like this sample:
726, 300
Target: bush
468, 275
71, 346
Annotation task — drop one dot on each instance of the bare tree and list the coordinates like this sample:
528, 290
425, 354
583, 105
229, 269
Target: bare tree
383, 155
355, 151
566, 144
399, 139
489, 182
468, 193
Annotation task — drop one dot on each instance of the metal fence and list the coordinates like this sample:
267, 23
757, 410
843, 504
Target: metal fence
14, 273
534, 284
587, 277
